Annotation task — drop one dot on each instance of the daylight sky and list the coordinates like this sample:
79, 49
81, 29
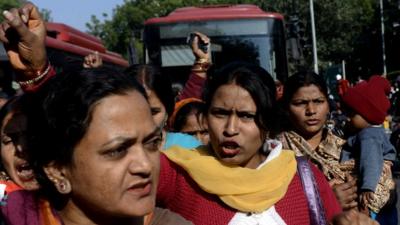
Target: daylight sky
77, 12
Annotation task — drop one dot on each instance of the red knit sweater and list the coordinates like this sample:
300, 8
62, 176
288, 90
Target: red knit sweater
193, 87
178, 192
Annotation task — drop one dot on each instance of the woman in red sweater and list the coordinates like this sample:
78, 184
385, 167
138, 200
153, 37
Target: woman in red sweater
244, 176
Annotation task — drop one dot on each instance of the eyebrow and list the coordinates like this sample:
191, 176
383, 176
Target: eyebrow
119, 139
155, 132
230, 110
122, 139
307, 99
10, 133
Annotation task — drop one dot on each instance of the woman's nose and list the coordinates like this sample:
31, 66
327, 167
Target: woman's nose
20, 149
231, 127
310, 109
140, 164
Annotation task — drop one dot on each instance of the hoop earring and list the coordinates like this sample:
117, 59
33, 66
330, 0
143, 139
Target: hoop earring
164, 122
63, 186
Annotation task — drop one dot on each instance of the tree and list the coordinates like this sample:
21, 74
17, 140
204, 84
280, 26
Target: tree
96, 27
8, 4
339, 24
46, 15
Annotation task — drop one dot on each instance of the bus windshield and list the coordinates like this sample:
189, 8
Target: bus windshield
258, 41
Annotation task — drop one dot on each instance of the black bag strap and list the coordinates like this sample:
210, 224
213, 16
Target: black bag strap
317, 212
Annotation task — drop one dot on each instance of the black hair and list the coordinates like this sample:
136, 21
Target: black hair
4, 95
62, 113
150, 77
11, 105
254, 79
17, 103
183, 113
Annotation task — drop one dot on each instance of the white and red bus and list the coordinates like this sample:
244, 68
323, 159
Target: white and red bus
238, 32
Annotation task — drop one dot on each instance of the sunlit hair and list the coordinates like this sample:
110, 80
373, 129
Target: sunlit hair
150, 77
11, 105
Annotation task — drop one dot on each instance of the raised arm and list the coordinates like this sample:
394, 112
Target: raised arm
23, 33
194, 86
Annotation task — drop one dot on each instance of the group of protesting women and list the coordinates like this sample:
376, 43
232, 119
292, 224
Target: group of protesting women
83, 146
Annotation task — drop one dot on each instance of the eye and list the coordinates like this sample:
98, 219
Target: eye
246, 116
220, 113
155, 110
319, 101
299, 103
5, 140
192, 133
154, 144
204, 132
117, 152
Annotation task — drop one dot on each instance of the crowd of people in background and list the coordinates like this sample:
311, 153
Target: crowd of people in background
93, 145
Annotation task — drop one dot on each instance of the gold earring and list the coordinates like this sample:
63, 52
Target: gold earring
63, 186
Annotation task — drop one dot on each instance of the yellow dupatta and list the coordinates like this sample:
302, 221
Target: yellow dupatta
244, 189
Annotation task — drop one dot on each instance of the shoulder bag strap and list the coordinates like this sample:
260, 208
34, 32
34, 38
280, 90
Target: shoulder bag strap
317, 212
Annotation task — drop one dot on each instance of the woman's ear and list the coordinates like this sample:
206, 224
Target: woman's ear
56, 175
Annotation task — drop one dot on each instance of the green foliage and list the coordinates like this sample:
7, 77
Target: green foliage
46, 15
8, 4
339, 24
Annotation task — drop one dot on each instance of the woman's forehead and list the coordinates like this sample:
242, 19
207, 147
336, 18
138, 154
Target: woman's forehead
15, 122
233, 96
308, 91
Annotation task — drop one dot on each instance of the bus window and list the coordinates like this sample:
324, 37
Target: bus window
258, 41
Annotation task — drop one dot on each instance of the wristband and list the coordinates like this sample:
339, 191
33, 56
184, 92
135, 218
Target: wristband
201, 65
39, 76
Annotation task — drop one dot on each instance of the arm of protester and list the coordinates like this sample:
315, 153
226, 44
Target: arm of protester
194, 86
346, 193
23, 33
353, 217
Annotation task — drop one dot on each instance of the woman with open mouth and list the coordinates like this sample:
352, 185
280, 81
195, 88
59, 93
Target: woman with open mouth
243, 176
13, 148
